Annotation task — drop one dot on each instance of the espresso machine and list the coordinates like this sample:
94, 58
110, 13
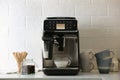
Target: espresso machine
61, 46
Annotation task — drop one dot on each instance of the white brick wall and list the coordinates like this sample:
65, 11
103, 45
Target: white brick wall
21, 25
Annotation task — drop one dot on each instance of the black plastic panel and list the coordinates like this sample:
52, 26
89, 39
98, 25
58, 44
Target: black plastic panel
64, 71
69, 24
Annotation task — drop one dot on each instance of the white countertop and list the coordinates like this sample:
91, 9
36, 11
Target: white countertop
80, 76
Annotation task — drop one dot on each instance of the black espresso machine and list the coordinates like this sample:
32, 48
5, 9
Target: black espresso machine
61, 46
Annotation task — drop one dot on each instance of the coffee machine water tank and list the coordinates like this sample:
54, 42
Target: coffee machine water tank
61, 46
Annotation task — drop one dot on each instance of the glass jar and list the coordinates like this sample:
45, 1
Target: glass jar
28, 66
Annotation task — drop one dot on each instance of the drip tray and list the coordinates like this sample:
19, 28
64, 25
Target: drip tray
60, 71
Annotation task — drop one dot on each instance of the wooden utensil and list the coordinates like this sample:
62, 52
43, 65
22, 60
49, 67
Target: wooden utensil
20, 56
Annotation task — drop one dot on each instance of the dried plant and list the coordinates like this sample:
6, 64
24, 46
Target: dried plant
20, 56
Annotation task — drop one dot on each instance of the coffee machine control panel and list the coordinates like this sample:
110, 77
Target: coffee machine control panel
61, 24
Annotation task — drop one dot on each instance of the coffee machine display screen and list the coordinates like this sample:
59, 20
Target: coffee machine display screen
60, 26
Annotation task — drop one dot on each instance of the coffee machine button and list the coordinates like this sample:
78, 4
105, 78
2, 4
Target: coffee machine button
70, 27
67, 22
50, 24
60, 21
56, 22
67, 25
74, 25
53, 22
46, 25
49, 27
49, 21
53, 27
70, 22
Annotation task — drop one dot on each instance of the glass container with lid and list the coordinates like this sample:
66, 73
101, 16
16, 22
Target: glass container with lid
28, 66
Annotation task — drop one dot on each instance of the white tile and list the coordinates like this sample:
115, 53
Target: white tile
12, 61
113, 32
98, 10
114, 11
33, 2
93, 32
33, 22
33, 34
99, 7
83, 10
4, 42
4, 10
93, 43
33, 27
17, 22
50, 8
42, 22
16, 39
106, 32
33, 11
82, 2
112, 42
82, 7
86, 43
17, 2
114, 8
67, 7
101, 43
17, 10
4, 20
112, 21
3, 2
99, 2
114, 3
17, 7
34, 8
3, 35
91, 8
84, 22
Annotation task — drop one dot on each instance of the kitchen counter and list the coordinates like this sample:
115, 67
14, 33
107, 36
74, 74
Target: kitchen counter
80, 76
